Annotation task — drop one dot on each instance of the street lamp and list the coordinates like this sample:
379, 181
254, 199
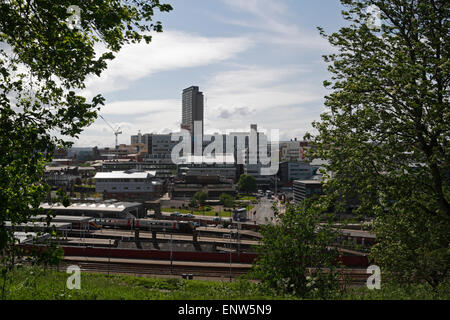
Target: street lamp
171, 263
238, 238
230, 254
229, 236
109, 256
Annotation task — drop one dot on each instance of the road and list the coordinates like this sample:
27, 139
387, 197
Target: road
263, 211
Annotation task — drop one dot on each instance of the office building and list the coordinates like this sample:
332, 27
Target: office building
159, 146
304, 189
221, 165
293, 150
290, 171
192, 108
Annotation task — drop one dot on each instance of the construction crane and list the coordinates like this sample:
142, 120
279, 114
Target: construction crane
116, 132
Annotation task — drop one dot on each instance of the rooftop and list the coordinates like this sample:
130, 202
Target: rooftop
62, 218
307, 181
38, 225
218, 158
125, 175
117, 207
24, 237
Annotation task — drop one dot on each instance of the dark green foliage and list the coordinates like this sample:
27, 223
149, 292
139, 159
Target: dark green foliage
193, 203
247, 183
200, 197
43, 68
226, 200
302, 239
386, 133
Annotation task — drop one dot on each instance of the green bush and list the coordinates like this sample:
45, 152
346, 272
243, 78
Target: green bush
193, 203
247, 184
294, 245
226, 200
201, 197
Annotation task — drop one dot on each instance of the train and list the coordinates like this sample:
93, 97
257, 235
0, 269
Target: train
146, 224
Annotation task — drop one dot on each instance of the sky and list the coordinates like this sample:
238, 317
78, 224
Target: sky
256, 61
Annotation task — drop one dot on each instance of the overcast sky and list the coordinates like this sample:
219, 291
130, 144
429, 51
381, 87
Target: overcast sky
256, 61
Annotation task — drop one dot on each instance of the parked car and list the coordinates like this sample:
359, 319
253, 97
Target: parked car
176, 214
189, 215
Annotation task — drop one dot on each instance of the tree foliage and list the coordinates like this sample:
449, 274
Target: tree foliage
386, 131
226, 200
44, 65
247, 183
295, 251
200, 197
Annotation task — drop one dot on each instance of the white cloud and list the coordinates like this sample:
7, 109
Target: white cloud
260, 88
139, 107
170, 50
275, 95
274, 98
263, 8
157, 116
271, 23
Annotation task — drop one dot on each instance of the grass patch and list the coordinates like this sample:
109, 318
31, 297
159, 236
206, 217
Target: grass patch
245, 197
33, 283
36, 284
394, 291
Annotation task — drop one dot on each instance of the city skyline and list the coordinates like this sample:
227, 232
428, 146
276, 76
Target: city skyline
255, 62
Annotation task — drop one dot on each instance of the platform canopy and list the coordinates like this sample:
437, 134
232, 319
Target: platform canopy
36, 226
25, 237
61, 218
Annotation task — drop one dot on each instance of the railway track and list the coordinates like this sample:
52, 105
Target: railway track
350, 277
157, 269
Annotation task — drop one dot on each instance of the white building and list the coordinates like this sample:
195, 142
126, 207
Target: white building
131, 184
222, 165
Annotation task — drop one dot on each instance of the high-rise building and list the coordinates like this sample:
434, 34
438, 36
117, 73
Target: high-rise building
192, 108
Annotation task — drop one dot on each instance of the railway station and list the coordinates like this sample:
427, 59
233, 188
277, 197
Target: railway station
129, 236
121, 231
